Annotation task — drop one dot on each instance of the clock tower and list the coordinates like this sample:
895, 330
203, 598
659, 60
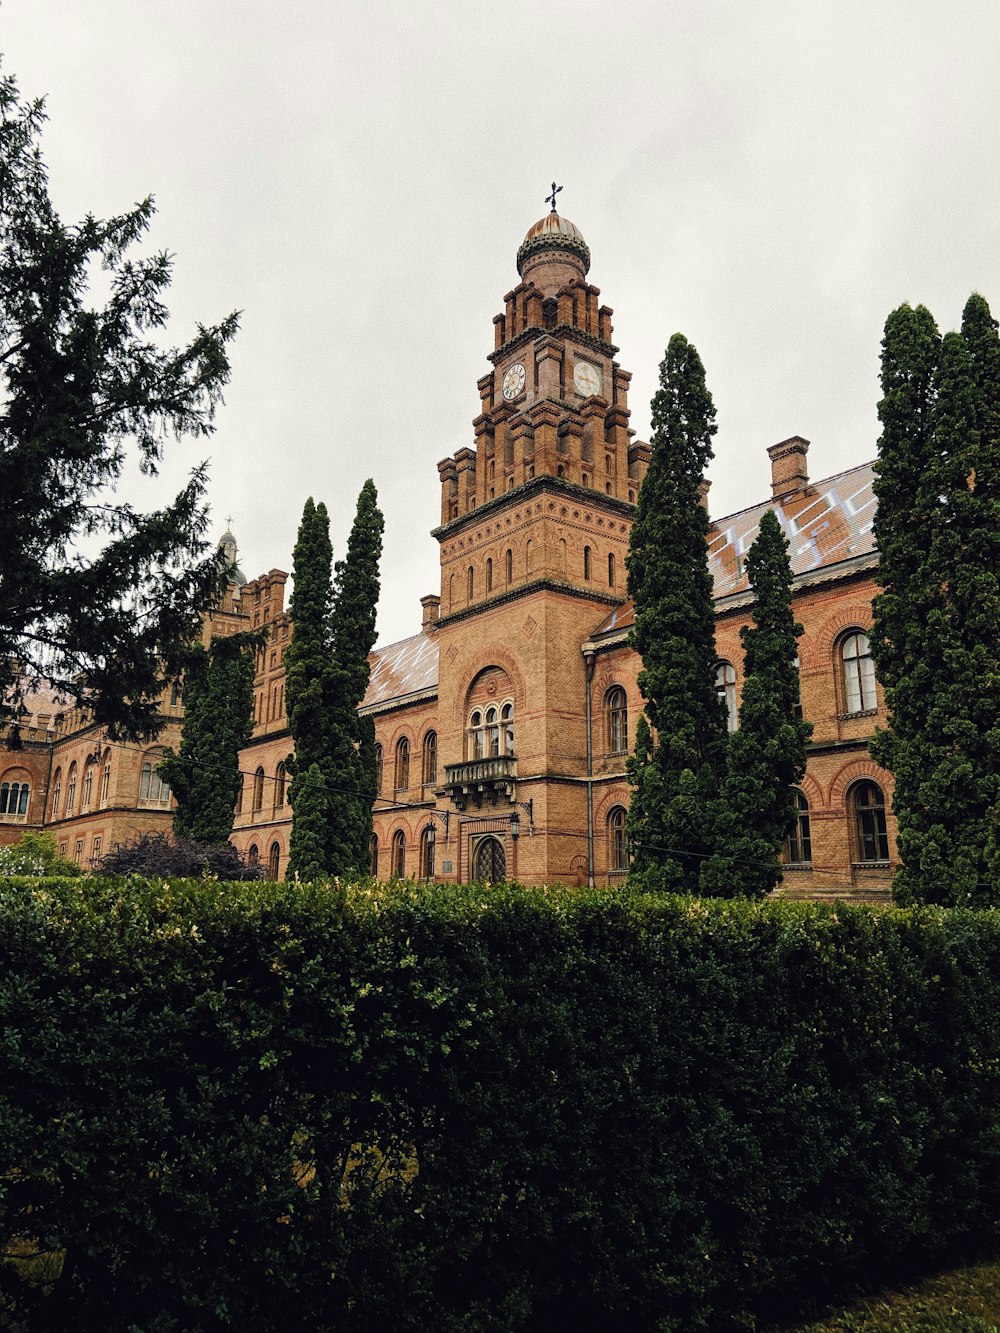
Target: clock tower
535, 522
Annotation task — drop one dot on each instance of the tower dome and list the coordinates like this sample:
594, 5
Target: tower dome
553, 232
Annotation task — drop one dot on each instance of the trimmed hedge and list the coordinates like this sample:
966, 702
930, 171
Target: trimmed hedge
263, 1106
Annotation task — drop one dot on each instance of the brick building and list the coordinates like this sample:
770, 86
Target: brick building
503, 725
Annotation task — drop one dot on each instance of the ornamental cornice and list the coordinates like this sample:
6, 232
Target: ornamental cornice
565, 331
583, 495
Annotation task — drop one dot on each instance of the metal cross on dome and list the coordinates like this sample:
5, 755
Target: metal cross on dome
551, 198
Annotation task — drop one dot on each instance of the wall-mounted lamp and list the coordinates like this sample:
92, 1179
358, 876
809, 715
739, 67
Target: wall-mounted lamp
515, 819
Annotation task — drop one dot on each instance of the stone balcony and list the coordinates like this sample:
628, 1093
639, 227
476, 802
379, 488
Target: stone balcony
481, 781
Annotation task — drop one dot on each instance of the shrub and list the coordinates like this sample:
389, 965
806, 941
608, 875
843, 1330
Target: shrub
154, 855
35, 854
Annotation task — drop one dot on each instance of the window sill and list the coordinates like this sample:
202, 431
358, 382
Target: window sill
863, 712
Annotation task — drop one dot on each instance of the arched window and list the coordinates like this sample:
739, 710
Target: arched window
507, 725
489, 573
616, 713
14, 799
631, 497
859, 673
56, 793
373, 856
797, 701
560, 471
253, 854
399, 853
88, 787
617, 848
725, 688
378, 770
427, 852
106, 779
402, 765
611, 568
258, 788
471, 582
798, 841
274, 861
586, 563
867, 804
492, 732
280, 778
430, 758
239, 795
71, 789
489, 860
509, 562
477, 737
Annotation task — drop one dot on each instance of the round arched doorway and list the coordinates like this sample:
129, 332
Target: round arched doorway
490, 860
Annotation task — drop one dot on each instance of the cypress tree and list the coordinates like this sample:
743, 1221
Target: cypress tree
767, 754
679, 762
935, 639
310, 825
218, 721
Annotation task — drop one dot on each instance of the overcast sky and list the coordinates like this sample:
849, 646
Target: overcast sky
769, 177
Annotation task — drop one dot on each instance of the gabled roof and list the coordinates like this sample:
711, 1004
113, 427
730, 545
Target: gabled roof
401, 670
826, 522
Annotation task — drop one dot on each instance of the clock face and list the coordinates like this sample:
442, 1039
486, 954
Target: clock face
586, 378
513, 382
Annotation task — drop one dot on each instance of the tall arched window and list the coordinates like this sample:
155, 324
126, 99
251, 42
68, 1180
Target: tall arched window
471, 582
798, 841
509, 563
616, 713
402, 779
725, 688
430, 758
871, 837
56, 793
88, 788
492, 732
399, 854
274, 861
611, 569
152, 788
476, 735
71, 789
489, 573
253, 854
617, 848
258, 788
280, 778
586, 563
14, 799
507, 726
427, 839
373, 856
106, 779
378, 770
859, 673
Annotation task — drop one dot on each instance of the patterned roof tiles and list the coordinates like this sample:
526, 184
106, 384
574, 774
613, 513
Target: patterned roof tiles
402, 669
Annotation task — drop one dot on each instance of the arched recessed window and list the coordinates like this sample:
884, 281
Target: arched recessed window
725, 688
586, 563
71, 789
253, 854
239, 795
611, 569
871, 837
379, 762
373, 856
607, 487
56, 793
476, 735
88, 788
798, 841
509, 563
797, 700
279, 786
585, 478
106, 779
471, 583
631, 497
430, 758
616, 713
560, 471
175, 693
274, 861
427, 839
492, 731
507, 726
258, 788
859, 673
617, 848
489, 573
402, 781
607, 462
14, 799
399, 853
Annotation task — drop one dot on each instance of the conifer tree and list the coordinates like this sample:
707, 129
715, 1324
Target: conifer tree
310, 825
767, 752
204, 774
679, 763
935, 636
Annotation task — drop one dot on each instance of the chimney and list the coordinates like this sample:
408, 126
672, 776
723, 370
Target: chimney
432, 608
704, 486
788, 466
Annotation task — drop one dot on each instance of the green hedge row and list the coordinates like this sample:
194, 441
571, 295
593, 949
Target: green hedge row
270, 1107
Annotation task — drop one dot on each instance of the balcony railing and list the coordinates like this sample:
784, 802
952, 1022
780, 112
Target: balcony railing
481, 781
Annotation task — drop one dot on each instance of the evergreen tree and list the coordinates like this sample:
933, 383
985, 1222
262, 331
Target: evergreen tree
310, 825
96, 599
935, 638
218, 721
679, 763
767, 754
